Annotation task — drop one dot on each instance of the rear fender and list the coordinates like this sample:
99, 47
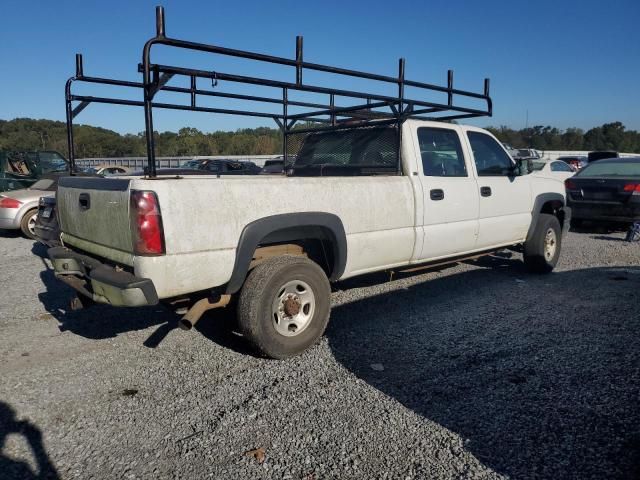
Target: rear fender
286, 228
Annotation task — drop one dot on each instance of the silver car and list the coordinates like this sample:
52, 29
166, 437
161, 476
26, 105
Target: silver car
19, 208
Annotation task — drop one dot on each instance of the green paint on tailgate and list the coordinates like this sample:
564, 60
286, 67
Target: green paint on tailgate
103, 228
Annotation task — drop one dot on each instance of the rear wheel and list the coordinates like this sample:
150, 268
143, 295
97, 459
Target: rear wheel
28, 223
542, 250
284, 306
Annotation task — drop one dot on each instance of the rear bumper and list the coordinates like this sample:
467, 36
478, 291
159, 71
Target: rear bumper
49, 235
101, 283
606, 213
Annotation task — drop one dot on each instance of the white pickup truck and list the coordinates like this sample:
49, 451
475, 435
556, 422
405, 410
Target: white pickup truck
276, 242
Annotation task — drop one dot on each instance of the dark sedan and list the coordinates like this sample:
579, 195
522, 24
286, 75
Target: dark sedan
606, 192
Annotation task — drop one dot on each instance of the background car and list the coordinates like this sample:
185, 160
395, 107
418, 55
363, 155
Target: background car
106, 170
19, 208
223, 166
273, 167
523, 153
605, 192
552, 169
576, 161
229, 167
20, 170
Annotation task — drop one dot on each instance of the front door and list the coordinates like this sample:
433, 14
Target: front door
505, 199
450, 195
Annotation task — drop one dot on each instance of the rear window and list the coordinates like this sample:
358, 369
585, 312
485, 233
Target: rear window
611, 169
374, 148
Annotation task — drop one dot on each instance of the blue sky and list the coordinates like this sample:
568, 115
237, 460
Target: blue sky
568, 63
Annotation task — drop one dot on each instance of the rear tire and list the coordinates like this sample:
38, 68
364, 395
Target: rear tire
28, 222
542, 250
284, 306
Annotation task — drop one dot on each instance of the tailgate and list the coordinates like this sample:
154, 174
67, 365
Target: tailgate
95, 212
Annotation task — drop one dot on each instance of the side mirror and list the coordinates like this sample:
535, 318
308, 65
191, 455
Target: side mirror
522, 166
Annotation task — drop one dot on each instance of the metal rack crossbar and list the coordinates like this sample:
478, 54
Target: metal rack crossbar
155, 78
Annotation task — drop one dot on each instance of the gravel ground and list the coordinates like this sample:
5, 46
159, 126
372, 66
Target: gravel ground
474, 371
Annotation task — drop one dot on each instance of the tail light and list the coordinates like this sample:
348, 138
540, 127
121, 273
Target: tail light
6, 202
570, 185
146, 223
632, 187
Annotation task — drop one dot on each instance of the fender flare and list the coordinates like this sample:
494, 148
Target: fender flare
256, 231
537, 208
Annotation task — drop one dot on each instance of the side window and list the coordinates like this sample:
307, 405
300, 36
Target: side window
490, 158
234, 166
560, 167
213, 166
441, 153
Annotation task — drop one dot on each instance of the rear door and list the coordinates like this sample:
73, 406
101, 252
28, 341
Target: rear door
450, 195
505, 199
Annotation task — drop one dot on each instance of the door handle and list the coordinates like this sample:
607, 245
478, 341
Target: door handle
85, 201
485, 191
436, 194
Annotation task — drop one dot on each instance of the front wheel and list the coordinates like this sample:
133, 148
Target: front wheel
284, 306
542, 250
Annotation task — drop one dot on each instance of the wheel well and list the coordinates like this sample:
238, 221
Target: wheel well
554, 207
318, 235
314, 242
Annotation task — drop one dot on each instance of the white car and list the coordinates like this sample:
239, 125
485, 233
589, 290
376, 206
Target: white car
556, 169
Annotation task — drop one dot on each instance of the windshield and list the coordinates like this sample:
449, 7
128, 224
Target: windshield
611, 169
52, 162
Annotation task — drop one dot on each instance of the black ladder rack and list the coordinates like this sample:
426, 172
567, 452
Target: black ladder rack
155, 78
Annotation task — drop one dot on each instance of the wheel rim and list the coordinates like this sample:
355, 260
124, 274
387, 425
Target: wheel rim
293, 308
31, 224
550, 244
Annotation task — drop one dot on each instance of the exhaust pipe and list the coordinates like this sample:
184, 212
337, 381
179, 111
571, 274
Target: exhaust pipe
193, 315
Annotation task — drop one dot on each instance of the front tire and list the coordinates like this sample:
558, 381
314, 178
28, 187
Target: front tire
542, 250
28, 223
284, 306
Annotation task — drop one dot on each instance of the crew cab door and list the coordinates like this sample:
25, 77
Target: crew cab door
505, 199
450, 194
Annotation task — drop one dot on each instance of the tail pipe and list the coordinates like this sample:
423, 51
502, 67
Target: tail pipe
193, 315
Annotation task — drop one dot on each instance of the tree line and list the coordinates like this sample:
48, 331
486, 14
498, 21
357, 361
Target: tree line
32, 134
